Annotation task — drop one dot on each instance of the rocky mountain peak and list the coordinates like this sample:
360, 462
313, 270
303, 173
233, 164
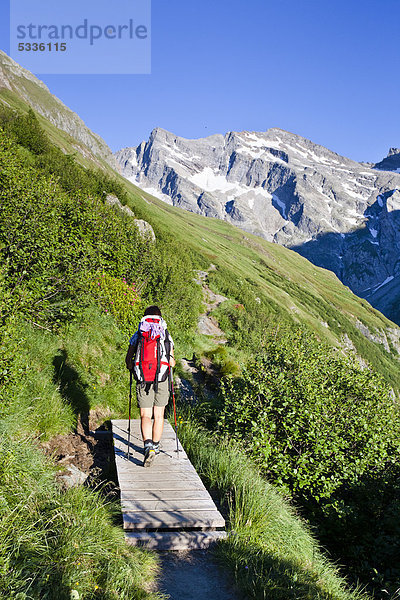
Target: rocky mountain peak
339, 213
391, 162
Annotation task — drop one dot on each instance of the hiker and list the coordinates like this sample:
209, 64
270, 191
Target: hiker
150, 356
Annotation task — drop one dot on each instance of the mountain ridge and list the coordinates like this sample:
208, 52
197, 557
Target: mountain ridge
17, 80
285, 188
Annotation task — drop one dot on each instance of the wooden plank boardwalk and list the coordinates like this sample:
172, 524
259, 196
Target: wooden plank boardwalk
165, 507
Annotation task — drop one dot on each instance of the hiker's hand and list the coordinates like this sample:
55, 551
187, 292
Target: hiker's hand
172, 361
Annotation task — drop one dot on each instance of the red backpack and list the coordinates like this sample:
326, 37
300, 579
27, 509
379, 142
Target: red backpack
153, 351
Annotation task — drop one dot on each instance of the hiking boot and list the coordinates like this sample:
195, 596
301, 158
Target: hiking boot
156, 446
149, 454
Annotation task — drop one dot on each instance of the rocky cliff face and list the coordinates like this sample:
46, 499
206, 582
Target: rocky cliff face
34, 92
391, 162
340, 214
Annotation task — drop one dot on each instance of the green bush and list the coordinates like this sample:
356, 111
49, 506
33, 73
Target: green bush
328, 431
26, 130
361, 528
313, 419
50, 241
222, 359
73, 177
54, 238
118, 298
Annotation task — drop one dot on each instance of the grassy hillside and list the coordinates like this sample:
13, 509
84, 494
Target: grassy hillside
57, 136
20, 89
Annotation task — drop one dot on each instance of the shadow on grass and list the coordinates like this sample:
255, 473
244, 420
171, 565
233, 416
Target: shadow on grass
71, 387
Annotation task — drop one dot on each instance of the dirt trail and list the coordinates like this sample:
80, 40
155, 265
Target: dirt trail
194, 576
207, 324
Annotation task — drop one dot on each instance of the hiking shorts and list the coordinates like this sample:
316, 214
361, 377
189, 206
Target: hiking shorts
147, 397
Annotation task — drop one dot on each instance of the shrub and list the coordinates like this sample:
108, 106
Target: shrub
27, 131
118, 298
222, 359
314, 420
50, 241
327, 431
269, 549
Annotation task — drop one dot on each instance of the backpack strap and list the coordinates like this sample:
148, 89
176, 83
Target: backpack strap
167, 344
155, 384
139, 358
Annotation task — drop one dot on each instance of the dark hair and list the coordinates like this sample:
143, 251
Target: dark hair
152, 310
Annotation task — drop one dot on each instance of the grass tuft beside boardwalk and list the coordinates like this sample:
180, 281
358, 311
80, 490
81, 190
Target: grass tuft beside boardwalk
269, 549
54, 542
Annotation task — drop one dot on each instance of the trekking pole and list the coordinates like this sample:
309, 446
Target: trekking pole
173, 400
129, 421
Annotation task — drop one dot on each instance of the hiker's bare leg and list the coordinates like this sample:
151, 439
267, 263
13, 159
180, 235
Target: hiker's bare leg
146, 423
158, 424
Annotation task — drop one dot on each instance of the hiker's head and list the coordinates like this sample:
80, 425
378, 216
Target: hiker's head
152, 310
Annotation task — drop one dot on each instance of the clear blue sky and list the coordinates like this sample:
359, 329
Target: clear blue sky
324, 70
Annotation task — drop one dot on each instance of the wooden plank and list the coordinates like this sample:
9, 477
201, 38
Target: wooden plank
164, 495
185, 469
137, 442
136, 450
162, 461
167, 505
121, 427
137, 472
153, 477
136, 483
174, 540
138, 454
173, 519
137, 446
164, 458
166, 455
162, 485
